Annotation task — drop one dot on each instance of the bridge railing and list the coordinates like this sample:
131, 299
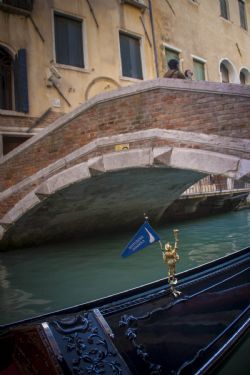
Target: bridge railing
216, 184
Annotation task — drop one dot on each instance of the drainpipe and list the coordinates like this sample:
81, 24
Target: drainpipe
153, 35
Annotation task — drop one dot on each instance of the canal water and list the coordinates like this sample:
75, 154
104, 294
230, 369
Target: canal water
39, 280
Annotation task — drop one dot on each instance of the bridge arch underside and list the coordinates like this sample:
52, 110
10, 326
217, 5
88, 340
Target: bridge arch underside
111, 191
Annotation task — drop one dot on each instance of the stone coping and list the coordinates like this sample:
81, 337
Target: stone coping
227, 143
160, 83
201, 161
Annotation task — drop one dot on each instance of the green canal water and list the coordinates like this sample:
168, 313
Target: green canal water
39, 280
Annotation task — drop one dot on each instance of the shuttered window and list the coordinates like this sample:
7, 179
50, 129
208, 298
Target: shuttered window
68, 41
21, 82
130, 56
199, 70
14, 81
171, 54
6, 68
243, 18
224, 9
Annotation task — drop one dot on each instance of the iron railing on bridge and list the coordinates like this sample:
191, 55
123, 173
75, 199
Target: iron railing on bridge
216, 184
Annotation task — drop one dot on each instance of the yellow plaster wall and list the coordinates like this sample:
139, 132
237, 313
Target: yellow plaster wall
196, 28
101, 49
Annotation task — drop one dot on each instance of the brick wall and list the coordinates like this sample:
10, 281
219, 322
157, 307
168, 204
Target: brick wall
22, 121
189, 107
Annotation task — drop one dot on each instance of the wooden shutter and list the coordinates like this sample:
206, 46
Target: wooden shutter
21, 82
199, 71
130, 56
68, 41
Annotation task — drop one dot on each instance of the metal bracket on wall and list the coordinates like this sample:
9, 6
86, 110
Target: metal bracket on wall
145, 30
36, 28
93, 13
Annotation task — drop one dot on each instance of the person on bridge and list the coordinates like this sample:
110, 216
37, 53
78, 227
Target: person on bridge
188, 74
174, 71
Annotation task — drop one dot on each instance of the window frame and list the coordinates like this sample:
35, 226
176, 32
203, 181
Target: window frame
84, 40
141, 47
11, 92
246, 71
173, 49
201, 61
226, 9
243, 22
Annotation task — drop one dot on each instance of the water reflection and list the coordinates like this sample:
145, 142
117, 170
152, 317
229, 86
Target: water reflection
38, 280
14, 301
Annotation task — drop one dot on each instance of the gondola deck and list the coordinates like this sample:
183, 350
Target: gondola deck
141, 331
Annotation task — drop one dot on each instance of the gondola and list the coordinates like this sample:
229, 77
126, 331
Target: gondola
146, 330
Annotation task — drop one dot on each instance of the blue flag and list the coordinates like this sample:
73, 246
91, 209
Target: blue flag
144, 237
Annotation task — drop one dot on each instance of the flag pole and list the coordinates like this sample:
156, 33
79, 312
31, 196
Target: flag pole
147, 219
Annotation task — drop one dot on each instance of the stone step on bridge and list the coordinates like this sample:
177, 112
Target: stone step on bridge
122, 153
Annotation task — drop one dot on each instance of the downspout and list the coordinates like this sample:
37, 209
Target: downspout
153, 35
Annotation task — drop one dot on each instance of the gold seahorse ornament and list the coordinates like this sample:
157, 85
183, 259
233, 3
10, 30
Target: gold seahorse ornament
170, 257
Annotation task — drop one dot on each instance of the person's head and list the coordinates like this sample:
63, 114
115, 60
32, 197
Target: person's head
173, 64
188, 73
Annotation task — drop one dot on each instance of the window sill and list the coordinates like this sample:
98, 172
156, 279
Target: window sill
243, 29
135, 3
70, 67
8, 112
195, 2
226, 20
130, 79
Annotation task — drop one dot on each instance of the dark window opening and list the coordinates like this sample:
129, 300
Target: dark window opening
224, 9
171, 54
10, 142
69, 41
242, 78
6, 68
13, 81
224, 73
130, 56
243, 18
23, 4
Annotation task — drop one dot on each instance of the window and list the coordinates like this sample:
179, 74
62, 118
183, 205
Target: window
12, 141
130, 56
68, 41
224, 73
13, 81
6, 70
20, 4
224, 9
245, 76
199, 70
242, 78
171, 54
242, 10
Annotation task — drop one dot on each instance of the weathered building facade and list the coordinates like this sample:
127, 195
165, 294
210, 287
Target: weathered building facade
56, 54
210, 37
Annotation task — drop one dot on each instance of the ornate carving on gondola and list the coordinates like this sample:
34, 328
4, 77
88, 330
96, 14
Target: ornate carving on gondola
86, 347
130, 322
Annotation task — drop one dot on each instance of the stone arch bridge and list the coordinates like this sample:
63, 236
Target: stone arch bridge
121, 154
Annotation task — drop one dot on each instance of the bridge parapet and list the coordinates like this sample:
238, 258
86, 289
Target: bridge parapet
200, 107
204, 126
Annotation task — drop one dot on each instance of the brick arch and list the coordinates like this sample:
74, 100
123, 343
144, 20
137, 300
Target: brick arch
177, 169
